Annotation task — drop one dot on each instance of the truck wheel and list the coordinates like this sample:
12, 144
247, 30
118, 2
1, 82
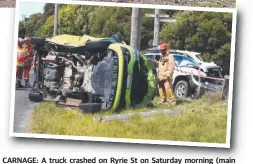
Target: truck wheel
35, 97
38, 41
181, 89
90, 107
100, 45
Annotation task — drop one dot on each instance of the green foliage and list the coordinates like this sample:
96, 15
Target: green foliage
205, 32
104, 22
48, 11
100, 22
21, 30
33, 24
202, 120
47, 29
67, 17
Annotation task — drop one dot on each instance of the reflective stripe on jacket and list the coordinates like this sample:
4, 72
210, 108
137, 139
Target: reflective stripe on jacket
29, 49
165, 67
29, 55
21, 57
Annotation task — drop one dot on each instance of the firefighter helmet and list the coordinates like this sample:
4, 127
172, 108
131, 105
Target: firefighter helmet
164, 46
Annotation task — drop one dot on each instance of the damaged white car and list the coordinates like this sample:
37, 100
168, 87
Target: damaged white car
191, 78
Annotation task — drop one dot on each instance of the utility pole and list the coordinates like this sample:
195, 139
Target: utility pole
56, 12
136, 28
157, 19
156, 27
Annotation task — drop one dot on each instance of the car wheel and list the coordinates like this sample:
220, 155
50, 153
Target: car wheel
90, 107
181, 89
35, 97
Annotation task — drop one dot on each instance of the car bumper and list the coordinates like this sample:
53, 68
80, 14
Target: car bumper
204, 85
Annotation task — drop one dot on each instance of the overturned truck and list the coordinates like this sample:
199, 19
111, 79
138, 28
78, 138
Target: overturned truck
94, 74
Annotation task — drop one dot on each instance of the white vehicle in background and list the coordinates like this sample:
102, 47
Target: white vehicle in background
193, 55
187, 72
208, 67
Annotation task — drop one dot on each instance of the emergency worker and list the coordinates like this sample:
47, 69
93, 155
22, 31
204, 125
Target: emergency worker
20, 62
165, 74
29, 48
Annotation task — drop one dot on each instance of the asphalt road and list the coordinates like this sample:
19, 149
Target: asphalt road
23, 108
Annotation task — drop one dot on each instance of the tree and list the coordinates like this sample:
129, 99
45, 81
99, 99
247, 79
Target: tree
204, 32
48, 11
33, 24
47, 29
106, 21
21, 29
100, 22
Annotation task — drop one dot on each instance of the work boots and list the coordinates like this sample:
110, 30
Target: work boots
162, 96
26, 83
18, 84
170, 97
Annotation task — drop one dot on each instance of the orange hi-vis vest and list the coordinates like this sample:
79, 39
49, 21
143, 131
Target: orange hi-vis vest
29, 49
21, 57
29, 54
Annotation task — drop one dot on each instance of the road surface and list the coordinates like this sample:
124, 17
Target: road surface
23, 108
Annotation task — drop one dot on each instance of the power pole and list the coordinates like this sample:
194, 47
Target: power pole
136, 28
56, 13
156, 27
157, 19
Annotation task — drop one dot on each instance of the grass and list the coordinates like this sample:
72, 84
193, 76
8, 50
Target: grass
203, 120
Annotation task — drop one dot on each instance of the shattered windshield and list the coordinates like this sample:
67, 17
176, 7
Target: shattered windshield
184, 61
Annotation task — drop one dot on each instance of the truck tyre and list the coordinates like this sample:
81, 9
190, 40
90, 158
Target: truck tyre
181, 89
90, 107
100, 45
39, 41
35, 97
